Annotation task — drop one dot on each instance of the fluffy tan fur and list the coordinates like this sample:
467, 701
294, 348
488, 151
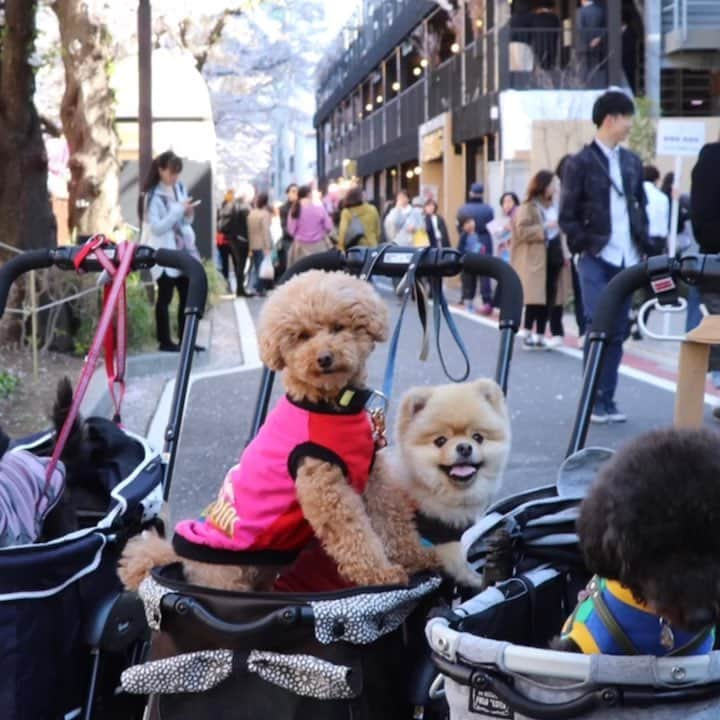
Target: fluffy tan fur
435, 426
318, 329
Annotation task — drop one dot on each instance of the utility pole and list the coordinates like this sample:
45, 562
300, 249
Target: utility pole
145, 114
653, 56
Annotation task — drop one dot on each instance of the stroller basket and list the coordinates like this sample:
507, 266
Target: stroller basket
325, 655
491, 650
487, 678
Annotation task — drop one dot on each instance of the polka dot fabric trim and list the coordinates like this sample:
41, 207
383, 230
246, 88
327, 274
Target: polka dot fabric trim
191, 673
151, 593
361, 619
303, 675
201, 671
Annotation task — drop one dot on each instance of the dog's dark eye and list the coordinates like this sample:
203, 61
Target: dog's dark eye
337, 328
303, 335
440, 441
478, 438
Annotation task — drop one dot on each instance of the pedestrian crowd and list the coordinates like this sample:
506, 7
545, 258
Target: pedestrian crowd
574, 228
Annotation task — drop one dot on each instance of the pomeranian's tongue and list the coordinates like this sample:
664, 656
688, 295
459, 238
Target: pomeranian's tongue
462, 471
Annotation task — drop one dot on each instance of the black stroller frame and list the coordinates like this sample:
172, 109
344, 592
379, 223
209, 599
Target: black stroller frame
489, 676
66, 592
360, 633
437, 263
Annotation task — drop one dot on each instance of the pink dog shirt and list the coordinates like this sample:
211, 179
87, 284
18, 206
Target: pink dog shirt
257, 518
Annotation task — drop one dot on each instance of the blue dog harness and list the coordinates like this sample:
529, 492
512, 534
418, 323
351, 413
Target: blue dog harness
612, 622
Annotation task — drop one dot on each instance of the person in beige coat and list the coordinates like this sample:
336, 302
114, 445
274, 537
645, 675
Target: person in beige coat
259, 221
538, 258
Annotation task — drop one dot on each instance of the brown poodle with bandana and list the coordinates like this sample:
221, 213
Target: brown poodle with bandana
293, 504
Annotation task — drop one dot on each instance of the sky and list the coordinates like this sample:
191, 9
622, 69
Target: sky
337, 12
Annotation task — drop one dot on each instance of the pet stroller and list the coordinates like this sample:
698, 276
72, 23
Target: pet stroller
325, 656
67, 629
491, 649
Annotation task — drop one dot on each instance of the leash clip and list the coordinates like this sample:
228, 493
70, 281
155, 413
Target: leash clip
376, 407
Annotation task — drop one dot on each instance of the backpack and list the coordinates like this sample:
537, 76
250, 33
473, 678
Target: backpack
355, 231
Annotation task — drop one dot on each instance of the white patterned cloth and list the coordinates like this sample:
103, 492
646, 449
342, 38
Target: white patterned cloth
201, 671
363, 618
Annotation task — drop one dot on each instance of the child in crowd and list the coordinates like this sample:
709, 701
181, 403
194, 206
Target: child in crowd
469, 243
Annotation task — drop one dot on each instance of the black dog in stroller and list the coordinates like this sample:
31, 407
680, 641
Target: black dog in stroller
67, 627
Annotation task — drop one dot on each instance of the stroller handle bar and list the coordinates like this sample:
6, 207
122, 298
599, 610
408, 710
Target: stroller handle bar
280, 619
145, 258
443, 262
700, 270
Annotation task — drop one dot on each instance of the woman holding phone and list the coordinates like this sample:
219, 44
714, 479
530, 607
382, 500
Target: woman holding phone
167, 214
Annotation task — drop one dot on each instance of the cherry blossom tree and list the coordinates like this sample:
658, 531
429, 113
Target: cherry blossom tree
25, 216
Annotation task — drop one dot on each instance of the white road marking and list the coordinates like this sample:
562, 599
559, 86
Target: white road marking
626, 370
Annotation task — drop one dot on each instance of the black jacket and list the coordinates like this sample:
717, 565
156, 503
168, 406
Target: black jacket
232, 220
444, 239
705, 199
585, 201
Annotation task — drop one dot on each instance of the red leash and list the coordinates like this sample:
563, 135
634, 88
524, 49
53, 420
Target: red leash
113, 338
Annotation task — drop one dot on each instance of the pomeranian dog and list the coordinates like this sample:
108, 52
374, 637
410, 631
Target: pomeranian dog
298, 485
648, 531
449, 453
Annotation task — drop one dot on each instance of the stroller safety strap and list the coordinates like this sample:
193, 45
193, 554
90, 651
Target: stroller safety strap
201, 671
125, 252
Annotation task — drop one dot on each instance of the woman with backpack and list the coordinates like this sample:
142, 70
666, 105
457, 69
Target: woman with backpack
167, 213
359, 222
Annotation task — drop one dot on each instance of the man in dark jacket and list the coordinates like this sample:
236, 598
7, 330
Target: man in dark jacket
705, 199
232, 222
705, 216
591, 32
482, 213
602, 212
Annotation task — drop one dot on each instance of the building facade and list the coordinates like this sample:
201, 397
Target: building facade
431, 101
294, 158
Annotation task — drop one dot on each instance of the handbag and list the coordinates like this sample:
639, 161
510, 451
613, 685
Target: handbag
266, 271
355, 232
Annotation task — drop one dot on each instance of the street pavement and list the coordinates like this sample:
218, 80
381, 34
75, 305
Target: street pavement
542, 396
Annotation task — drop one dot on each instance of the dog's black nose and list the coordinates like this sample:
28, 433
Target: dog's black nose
325, 360
464, 449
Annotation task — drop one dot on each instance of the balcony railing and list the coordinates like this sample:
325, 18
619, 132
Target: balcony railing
686, 15
369, 35
507, 58
445, 87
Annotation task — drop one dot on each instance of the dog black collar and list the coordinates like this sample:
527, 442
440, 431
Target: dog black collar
435, 531
349, 402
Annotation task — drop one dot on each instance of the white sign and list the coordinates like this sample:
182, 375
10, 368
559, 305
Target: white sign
680, 137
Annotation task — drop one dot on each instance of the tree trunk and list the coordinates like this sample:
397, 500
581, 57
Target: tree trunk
26, 219
88, 119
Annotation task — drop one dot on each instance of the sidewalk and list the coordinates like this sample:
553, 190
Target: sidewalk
658, 358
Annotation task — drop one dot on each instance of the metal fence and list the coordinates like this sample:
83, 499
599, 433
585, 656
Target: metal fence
684, 15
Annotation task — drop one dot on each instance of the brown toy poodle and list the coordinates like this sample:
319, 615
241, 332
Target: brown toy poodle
298, 486
450, 450
649, 533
